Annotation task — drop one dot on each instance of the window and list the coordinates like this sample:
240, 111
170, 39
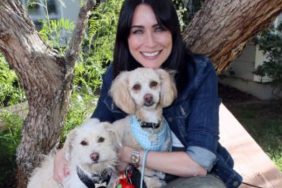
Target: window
39, 9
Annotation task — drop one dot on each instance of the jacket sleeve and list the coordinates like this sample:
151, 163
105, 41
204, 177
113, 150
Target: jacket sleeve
203, 130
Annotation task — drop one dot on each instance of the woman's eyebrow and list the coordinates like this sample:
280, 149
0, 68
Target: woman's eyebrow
137, 26
140, 26
157, 25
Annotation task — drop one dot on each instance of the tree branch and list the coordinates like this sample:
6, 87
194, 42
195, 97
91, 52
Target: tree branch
77, 36
221, 29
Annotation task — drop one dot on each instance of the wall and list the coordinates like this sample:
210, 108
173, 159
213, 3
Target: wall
240, 73
243, 66
70, 10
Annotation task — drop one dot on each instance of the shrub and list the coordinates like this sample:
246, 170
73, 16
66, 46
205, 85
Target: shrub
270, 42
9, 140
11, 91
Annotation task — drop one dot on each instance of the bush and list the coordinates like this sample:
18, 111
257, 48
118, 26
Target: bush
97, 47
270, 42
10, 92
9, 140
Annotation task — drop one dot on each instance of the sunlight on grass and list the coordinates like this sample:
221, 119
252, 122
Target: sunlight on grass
264, 123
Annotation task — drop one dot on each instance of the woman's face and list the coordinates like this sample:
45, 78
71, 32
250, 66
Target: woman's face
149, 43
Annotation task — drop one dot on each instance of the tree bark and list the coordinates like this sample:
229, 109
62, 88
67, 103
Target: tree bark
221, 29
45, 77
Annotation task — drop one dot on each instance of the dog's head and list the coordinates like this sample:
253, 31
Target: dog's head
143, 88
91, 145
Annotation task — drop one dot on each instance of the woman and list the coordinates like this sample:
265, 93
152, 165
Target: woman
148, 35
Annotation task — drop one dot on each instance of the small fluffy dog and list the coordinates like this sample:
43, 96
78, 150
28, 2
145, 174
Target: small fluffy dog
143, 93
91, 152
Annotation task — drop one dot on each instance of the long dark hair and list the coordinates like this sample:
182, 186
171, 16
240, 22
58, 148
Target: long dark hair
166, 16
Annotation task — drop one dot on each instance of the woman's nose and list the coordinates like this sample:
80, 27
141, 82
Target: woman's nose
150, 40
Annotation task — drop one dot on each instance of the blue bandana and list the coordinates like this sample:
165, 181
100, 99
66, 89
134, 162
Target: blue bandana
151, 141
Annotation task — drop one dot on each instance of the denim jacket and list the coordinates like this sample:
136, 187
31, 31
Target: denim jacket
193, 118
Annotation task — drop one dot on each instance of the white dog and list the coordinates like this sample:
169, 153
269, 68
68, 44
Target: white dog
143, 93
91, 152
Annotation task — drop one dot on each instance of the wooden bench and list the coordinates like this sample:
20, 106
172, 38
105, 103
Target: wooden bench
250, 160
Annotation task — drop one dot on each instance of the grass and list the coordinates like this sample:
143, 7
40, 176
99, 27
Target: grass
263, 121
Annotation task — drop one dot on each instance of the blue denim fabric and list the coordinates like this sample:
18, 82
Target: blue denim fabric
202, 156
193, 117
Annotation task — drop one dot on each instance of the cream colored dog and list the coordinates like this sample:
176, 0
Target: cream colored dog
143, 93
91, 152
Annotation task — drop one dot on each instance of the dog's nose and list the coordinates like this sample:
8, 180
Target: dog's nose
94, 156
148, 99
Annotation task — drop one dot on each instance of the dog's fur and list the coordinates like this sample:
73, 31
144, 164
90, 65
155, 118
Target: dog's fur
91, 147
143, 92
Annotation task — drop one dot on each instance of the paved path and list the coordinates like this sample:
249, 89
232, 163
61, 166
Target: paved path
250, 160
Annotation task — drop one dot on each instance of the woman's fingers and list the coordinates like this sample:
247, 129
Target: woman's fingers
61, 167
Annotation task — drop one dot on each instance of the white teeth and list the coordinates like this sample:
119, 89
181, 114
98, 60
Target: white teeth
150, 54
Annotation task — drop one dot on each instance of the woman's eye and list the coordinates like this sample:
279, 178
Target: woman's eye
137, 31
159, 28
136, 87
153, 84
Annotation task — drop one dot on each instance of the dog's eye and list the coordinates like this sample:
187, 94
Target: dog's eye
153, 84
84, 143
101, 139
136, 87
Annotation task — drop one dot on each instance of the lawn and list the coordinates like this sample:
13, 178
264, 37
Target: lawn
262, 119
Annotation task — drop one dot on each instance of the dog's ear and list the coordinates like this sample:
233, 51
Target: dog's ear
114, 135
168, 87
67, 148
120, 93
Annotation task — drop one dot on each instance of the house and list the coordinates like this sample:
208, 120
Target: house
240, 74
56, 9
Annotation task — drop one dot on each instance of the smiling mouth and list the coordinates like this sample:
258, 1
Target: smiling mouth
151, 54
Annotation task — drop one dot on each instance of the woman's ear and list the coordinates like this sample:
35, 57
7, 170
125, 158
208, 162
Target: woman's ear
120, 93
168, 87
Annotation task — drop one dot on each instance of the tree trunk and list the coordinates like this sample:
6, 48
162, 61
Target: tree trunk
45, 77
221, 29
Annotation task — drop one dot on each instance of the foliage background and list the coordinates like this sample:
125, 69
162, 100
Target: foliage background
270, 42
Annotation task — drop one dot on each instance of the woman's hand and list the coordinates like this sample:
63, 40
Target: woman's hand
124, 158
61, 166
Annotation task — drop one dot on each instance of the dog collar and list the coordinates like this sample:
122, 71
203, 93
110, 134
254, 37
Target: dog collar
144, 124
96, 180
149, 140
